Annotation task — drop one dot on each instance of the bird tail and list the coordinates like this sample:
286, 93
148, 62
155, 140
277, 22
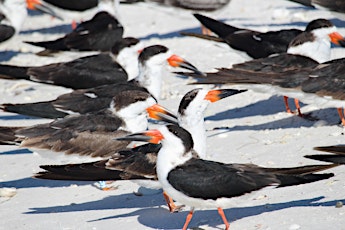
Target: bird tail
338, 158
301, 175
217, 27
8, 135
94, 171
14, 72
38, 109
57, 45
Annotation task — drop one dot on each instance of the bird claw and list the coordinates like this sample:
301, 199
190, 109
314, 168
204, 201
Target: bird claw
175, 208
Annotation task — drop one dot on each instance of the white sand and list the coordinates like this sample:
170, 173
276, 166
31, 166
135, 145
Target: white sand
259, 131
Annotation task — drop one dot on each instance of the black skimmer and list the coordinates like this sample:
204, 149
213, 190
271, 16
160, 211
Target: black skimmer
200, 183
140, 161
338, 156
202, 5
254, 43
14, 12
90, 134
85, 72
79, 5
305, 53
336, 6
151, 61
97, 34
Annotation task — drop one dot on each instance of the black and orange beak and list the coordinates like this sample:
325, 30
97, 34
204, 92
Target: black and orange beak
218, 94
152, 136
160, 113
42, 7
177, 61
337, 39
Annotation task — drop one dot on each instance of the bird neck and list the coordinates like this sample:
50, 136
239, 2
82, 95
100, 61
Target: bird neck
150, 77
128, 59
318, 50
195, 125
169, 157
135, 124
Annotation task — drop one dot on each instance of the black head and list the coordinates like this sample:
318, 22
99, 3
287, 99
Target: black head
302, 38
128, 97
318, 23
124, 43
182, 134
151, 51
187, 99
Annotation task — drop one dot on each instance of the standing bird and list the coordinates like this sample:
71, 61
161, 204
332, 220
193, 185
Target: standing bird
305, 52
151, 61
208, 184
14, 12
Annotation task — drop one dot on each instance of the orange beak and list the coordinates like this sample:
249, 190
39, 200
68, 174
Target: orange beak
177, 61
216, 95
152, 136
41, 6
160, 113
337, 39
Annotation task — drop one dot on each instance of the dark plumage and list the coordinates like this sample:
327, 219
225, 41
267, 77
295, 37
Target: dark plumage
338, 156
97, 34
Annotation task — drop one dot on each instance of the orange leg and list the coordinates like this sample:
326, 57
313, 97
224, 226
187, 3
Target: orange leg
73, 24
205, 31
288, 110
221, 213
171, 204
298, 107
341, 115
188, 219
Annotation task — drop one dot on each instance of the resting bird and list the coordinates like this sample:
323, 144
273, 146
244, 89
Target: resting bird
97, 34
206, 184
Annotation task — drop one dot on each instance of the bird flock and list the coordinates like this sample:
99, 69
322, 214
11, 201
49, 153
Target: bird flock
115, 120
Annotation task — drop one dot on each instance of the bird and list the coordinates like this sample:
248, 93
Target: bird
97, 34
90, 134
200, 5
13, 14
305, 53
200, 183
151, 60
80, 5
254, 44
139, 162
335, 6
338, 156
86, 72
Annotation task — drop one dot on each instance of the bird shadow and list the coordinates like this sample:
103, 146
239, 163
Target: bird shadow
29, 182
58, 29
128, 200
7, 55
16, 151
271, 106
149, 216
18, 117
